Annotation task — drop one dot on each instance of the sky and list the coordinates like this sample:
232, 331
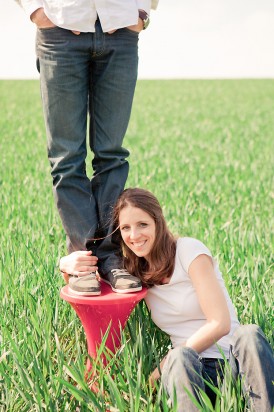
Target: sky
185, 39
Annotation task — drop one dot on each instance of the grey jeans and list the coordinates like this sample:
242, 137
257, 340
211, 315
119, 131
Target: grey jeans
251, 358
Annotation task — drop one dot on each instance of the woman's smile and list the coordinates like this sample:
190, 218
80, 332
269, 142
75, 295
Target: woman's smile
138, 244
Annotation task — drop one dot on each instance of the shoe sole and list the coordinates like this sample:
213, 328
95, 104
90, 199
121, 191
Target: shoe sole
84, 293
131, 290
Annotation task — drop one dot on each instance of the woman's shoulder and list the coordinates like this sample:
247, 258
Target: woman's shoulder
189, 242
188, 248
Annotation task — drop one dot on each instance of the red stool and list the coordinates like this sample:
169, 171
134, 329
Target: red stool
98, 312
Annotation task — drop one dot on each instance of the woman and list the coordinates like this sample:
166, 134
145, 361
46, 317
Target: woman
189, 301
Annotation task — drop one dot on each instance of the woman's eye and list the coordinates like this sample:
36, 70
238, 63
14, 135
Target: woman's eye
143, 224
125, 228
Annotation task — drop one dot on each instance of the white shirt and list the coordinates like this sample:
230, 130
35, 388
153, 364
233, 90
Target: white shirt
81, 15
175, 307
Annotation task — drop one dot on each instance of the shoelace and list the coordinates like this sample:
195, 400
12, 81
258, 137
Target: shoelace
93, 275
117, 272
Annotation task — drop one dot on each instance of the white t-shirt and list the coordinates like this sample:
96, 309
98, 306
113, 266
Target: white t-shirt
174, 306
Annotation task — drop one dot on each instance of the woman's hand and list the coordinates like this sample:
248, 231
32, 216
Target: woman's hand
79, 263
156, 373
154, 377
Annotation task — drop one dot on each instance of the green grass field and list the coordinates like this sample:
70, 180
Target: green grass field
205, 148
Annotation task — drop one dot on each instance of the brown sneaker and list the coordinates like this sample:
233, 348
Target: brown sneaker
121, 281
85, 285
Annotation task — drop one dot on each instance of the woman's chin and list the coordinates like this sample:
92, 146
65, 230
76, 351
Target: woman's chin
139, 253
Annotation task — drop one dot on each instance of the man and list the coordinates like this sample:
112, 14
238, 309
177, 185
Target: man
87, 56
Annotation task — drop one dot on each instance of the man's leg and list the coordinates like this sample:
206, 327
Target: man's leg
252, 358
64, 68
113, 80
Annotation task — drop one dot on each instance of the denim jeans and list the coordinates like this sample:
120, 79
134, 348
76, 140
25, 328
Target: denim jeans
251, 357
95, 74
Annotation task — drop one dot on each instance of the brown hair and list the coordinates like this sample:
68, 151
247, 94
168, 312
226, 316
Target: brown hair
162, 256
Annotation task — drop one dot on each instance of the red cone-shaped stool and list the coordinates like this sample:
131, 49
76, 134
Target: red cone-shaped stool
98, 312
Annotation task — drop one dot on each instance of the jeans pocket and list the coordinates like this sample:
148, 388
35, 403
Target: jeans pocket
47, 28
132, 32
52, 39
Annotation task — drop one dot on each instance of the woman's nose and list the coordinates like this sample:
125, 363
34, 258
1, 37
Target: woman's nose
133, 233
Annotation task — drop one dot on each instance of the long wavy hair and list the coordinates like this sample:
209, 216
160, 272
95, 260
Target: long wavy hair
162, 255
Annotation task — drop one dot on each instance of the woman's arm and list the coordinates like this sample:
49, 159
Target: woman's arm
155, 375
212, 302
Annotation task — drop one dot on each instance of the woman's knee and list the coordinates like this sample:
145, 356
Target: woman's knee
182, 367
247, 331
247, 335
182, 357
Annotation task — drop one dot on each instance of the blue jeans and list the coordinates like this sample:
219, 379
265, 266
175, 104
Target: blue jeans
95, 74
251, 358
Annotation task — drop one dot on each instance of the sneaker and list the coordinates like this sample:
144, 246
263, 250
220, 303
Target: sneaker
85, 285
122, 282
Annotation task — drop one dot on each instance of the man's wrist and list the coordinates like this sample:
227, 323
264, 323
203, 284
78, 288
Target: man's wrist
144, 16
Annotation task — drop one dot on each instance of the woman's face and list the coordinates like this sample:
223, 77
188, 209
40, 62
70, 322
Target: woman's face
138, 230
